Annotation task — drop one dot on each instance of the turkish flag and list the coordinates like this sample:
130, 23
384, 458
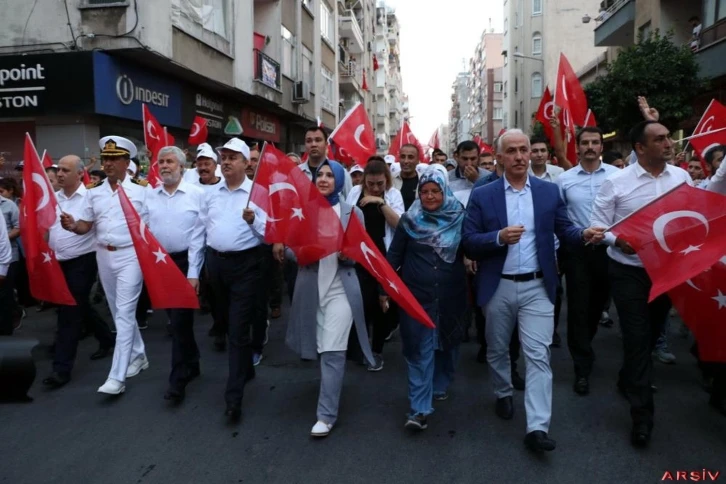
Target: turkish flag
590, 119
364, 84
47, 160
375, 62
152, 130
568, 133
297, 214
199, 132
568, 92
404, 137
434, 140
483, 147
710, 131
38, 212
677, 236
545, 112
86, 178
339, 154
168, 287
701, 302
355, 135
357, 245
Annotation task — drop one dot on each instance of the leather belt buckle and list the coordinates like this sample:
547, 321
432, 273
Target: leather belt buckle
111, 248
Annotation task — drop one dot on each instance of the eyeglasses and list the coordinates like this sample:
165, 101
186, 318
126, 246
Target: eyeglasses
427, 193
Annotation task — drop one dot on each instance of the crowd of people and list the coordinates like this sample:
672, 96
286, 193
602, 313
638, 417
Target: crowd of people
485, 237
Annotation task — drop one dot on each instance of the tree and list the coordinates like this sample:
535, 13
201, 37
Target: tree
665, 73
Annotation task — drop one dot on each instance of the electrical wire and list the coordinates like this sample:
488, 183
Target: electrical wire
70, 27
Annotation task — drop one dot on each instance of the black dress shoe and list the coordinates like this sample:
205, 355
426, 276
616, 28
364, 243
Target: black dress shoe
640, 436
505, 408
56, 380
538, 441
582, 385
101, 353
233, 411
175, 394
517, 381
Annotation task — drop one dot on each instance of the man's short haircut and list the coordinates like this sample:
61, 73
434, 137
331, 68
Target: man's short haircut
539, 139
588, 129
316, 128
610, 156
637, 134
467, 145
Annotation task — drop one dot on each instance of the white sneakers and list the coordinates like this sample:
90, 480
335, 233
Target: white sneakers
137, 366
320, 429
112, 387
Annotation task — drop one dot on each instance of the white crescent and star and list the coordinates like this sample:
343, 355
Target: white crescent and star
276, 187
297, 213
358, 132
46, 257
195, 130
367, 250
720, 299
393, 286
660, 224
142, 230
151, 129
39, 180
160, 256
706, 127
549, 110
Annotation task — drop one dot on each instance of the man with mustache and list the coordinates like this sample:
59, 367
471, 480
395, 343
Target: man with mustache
174, 218
586, 267
207, 172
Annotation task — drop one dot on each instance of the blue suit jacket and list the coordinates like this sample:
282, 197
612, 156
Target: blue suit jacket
486, 215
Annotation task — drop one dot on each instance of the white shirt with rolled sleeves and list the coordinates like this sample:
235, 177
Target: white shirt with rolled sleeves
66, 244
222, 211
717, 183
174, 219
6, 252
626, 191
103, 208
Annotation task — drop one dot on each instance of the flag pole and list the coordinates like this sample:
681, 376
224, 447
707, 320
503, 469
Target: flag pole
345, 118
254, 178
698, 136
699, 123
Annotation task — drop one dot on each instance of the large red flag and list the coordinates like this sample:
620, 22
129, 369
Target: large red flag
297, 214
568, 92
357, 245
354, 134
710, 131
152, 130
545, 112
404, 137
199, 132
701, 302
677, 236
38, 213
168, 287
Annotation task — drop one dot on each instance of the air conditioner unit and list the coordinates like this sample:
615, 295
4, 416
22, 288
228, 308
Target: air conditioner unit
300, 92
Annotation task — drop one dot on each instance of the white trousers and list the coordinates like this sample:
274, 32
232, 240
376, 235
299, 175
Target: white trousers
121, 277
528, 304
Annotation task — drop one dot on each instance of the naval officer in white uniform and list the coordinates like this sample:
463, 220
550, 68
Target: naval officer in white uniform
118, 266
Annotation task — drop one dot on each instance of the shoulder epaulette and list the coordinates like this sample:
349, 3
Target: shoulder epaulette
94, 185
143, 183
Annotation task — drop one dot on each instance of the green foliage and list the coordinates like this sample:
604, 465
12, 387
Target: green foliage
537, 130
665, 73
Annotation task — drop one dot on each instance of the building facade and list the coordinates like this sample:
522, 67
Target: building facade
459, 120
535, 33
256, 69
486, 86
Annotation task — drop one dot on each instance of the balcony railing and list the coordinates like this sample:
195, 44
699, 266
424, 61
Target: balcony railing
267, 70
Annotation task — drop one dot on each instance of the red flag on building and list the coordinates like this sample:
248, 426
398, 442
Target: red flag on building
677, 236
38, 212
355, 135
199, 132
297, 214
701, 302
375, 62
357, 245
569, 94
168, 287
364, 84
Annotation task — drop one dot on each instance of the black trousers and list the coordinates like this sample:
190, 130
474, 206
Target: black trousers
80, 274
381, 323
184, 350
143, 305
276, 281
237, 285
640, 323
7, 300
586, 273
259, 325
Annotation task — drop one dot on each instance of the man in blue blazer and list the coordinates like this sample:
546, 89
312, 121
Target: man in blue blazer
509, 228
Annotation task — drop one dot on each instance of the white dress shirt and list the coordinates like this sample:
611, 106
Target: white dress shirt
6, 252
625, 192
551, 172
103, 208
393, 199
66, 244
174, 219
522, 256
717, 182
578, 189
222, 217
191, 175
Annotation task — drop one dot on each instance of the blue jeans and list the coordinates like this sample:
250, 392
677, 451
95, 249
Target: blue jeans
430, 370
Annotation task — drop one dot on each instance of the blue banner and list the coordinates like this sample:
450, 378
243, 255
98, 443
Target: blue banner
120, 89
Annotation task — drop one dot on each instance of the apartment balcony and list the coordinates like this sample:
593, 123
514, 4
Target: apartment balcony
617, 26
267, 77
712, 51
350, 31
348, 79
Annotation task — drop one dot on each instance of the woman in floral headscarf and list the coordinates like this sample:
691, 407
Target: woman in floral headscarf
426, 249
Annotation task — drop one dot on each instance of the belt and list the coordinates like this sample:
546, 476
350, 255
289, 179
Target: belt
233, 254
530, 276
179, 255
111, 248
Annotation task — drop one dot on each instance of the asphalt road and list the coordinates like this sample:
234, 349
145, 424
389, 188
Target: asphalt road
75, 435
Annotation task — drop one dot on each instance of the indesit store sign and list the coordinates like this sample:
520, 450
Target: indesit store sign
18, 86
127, 93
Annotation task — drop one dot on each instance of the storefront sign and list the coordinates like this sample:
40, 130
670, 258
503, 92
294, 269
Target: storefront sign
260, 125
32, 85
121, 89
